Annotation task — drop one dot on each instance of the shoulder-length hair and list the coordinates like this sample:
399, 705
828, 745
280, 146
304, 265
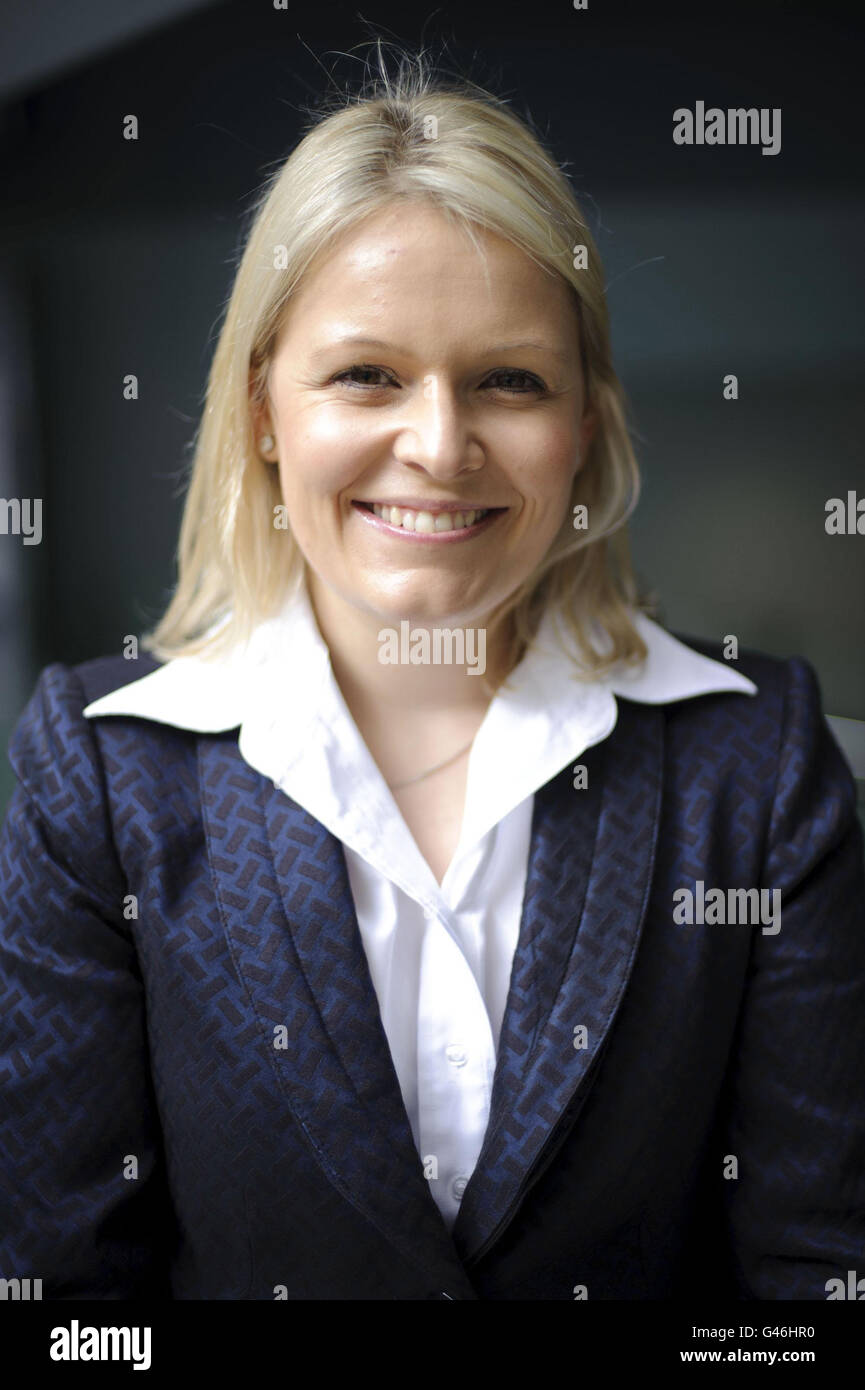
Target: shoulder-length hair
407, 136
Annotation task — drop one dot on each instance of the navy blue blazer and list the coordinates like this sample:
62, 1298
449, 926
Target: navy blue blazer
709, 1139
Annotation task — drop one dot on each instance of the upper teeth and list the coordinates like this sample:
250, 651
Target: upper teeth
427, 521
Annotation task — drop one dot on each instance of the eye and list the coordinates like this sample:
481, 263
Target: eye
527, 382
350, 375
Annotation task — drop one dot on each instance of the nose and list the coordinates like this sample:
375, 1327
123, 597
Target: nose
435, 432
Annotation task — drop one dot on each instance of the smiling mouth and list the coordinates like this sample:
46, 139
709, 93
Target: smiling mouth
429, 523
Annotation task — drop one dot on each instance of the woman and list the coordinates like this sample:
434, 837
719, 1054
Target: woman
377, 936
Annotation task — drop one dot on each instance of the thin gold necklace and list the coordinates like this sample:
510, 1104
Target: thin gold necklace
398, 786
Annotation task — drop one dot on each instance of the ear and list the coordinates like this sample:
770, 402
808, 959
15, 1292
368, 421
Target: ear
260, 419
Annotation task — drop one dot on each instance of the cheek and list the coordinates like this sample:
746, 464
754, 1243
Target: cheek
311, 475
543, 469
324, 454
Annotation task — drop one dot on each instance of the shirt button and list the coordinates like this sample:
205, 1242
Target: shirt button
456, 1055
458, 1187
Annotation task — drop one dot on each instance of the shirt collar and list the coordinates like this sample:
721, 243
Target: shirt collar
284, 663
295, 727
213, 694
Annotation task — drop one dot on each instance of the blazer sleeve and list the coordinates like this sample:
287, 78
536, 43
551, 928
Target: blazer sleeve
797, 1120
83, 1204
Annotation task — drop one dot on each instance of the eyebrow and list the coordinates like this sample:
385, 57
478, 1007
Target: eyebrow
358, 340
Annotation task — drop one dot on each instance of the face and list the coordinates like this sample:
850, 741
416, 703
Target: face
427, 408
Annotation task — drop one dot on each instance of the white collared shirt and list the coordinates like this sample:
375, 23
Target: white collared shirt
439, 956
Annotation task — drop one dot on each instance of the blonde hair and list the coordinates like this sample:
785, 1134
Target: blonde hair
406, 136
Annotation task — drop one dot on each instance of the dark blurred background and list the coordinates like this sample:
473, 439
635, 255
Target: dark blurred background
118, 257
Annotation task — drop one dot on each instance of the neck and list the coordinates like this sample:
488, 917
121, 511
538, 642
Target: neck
371, 658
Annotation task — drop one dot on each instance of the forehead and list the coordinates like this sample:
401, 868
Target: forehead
411, 261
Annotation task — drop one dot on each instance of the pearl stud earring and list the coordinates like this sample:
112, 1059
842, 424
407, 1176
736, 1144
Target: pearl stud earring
267, 442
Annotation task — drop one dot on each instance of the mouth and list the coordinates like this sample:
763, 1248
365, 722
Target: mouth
438, 521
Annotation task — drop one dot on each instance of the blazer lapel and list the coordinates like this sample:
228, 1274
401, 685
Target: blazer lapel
289, 916
590, 869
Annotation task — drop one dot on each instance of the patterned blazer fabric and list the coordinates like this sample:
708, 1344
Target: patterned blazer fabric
199, 1100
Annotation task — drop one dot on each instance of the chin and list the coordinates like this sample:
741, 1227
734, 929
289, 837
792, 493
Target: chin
426, 610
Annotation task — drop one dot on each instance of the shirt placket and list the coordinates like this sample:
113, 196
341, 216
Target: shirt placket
455, 1061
